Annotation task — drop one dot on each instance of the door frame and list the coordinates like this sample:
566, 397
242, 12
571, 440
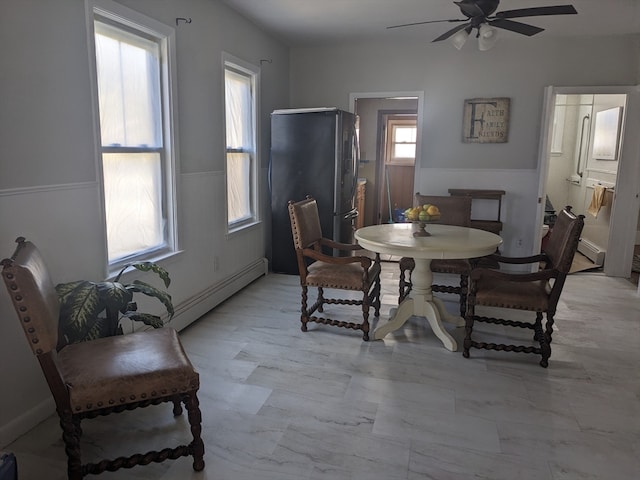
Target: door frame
381, 156
624, 212
419, 96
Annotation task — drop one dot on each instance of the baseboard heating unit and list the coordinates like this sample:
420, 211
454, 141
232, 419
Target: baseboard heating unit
593, 252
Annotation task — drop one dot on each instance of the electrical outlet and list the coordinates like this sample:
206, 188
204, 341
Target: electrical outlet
519, 243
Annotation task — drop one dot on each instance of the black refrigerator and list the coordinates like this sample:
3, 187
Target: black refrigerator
314, 151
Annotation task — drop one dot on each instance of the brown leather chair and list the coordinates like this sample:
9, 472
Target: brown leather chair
538, 292
322, 270
103, 376
453, 211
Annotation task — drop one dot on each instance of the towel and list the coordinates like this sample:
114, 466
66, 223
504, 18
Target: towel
597, 200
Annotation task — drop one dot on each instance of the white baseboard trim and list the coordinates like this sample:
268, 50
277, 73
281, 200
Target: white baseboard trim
25, 422
186, 313
196, 306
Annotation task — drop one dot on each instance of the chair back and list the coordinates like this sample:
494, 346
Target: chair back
33, 295
305, 223
453, 210
563, 241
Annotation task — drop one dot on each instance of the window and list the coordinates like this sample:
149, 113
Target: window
135, 119
241, 90
401, 143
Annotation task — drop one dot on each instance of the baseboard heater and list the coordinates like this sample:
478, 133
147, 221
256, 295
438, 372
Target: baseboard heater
593, 252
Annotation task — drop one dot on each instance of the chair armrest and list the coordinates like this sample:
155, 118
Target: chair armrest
488, 274
541, 257
365, 262
325, 242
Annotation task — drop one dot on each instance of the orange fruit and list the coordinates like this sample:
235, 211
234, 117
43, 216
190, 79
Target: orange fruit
433, 210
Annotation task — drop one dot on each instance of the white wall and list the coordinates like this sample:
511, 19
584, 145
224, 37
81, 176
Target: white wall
518, 68
48, 171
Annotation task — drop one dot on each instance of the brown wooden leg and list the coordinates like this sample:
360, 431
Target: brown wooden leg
545, 340
549, 326
71, 436
537, 328
406, 267
365, 316
464, 287
376, 303
468, 323
304, 315
195, 420
320, 299
401, 286
177, 407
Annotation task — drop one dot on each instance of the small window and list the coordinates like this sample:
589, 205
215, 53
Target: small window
401, 141
241, 89
133, 81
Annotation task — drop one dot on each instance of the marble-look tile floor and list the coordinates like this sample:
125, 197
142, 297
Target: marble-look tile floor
280, 404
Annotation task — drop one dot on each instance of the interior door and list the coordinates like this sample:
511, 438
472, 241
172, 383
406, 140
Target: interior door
366, 106
624, 213
396, 172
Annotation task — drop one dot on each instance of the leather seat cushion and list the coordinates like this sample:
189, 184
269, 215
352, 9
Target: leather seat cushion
453, 265
518, 295
126, 369
344, 277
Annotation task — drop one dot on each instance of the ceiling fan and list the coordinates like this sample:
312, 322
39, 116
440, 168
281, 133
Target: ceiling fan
480, 15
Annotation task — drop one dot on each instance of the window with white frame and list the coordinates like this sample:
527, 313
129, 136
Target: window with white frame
136, 131
241, 100
401, 141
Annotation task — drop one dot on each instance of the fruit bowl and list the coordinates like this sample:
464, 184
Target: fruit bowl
422, 225
422, 215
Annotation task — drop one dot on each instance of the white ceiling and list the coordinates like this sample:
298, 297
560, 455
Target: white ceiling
312, 22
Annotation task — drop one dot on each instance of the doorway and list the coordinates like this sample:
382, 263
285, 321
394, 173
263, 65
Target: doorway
395, 169
573, 168
375, 112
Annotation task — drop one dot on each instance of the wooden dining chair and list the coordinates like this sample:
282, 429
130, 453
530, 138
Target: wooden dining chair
537, 292
104, 376
321, 269
453, 211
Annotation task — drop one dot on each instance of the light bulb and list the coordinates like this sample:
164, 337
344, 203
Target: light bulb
460, 38
488, 36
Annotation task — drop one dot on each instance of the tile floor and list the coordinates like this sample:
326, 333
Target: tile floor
279, 404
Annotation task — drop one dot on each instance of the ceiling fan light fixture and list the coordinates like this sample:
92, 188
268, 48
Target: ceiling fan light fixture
487, 37
460, 38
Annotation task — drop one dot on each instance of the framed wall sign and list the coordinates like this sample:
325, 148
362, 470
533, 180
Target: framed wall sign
606, 134
486, 120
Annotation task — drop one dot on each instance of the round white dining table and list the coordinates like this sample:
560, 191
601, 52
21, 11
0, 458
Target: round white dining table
443, 242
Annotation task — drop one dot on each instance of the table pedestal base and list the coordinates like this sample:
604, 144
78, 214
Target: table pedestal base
422, 303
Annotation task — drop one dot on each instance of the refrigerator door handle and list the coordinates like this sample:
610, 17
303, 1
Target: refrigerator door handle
351, 214
356, 161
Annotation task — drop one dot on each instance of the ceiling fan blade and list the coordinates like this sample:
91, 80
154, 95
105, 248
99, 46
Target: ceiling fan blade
428, 21
453, 31
538, 11
517, 27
